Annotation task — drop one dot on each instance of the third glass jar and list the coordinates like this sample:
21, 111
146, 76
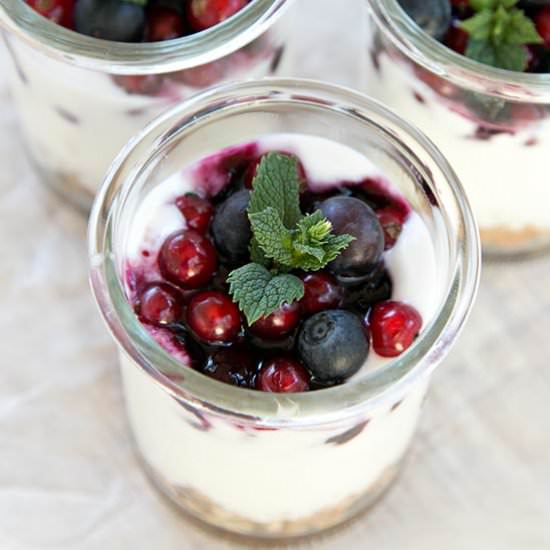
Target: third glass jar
79, 99
493, 125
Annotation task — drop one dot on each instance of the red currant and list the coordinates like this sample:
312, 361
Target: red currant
213, 317
542, 23
160, 304
164, 24
202, 14
59, 11
282, 376
196, 211
457, 38
321, 291
187, 259
391, 221
393, 326
280, 323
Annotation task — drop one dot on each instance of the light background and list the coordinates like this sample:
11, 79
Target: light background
478, 477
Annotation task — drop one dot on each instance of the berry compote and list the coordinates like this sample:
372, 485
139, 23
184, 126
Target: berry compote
358, 307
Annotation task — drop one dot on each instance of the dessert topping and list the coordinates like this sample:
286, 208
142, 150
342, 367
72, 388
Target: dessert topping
282, 239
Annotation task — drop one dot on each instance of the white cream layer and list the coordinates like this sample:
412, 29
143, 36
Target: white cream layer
76, 120
505, 179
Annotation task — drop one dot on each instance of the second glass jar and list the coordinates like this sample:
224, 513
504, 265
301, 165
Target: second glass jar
492, 125
79, 99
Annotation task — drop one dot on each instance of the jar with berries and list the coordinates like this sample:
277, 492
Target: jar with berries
282, 264
86, 75
474, 75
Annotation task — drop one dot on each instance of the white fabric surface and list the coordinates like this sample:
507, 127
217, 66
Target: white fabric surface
479, 473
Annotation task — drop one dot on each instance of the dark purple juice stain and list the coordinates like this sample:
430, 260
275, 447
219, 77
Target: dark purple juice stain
138, 111
197, 420
378, 192
67, 116
485, 133
215, 175
135, 279
375, 59
276, 61
348, 435
145, 84
396, 405
419, 97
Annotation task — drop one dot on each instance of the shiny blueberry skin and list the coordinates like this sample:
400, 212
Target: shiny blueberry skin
110, 20
432, 16
231, 228
354, 217
333, 345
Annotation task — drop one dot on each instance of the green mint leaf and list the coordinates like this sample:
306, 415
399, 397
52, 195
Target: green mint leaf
479, 26
479, 5
310, 246
277, 185
335, 244
520, 29
314, 232
512, 57
272, 236
257, 254
498, 34
259, 293
282, 239
507, 3
314, 228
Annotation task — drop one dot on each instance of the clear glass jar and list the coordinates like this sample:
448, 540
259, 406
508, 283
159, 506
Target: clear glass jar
492, 125
80, 99
264, 464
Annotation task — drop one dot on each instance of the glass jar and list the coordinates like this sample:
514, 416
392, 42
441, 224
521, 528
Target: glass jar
266, 464
80, 99
492, 125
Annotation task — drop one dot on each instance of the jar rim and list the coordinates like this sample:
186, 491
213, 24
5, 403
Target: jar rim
141, 57
386, 384
437, 58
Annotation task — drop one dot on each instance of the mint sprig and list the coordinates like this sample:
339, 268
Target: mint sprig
277, 185
283, 239
259, 293
498, 33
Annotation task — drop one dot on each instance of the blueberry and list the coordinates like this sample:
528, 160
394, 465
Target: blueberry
432, 16
363, 297
362, 256
115, 20
332, 344
231, 228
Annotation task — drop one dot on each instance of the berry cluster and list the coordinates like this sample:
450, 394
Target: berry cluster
501, 29
315, 342
137, 20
